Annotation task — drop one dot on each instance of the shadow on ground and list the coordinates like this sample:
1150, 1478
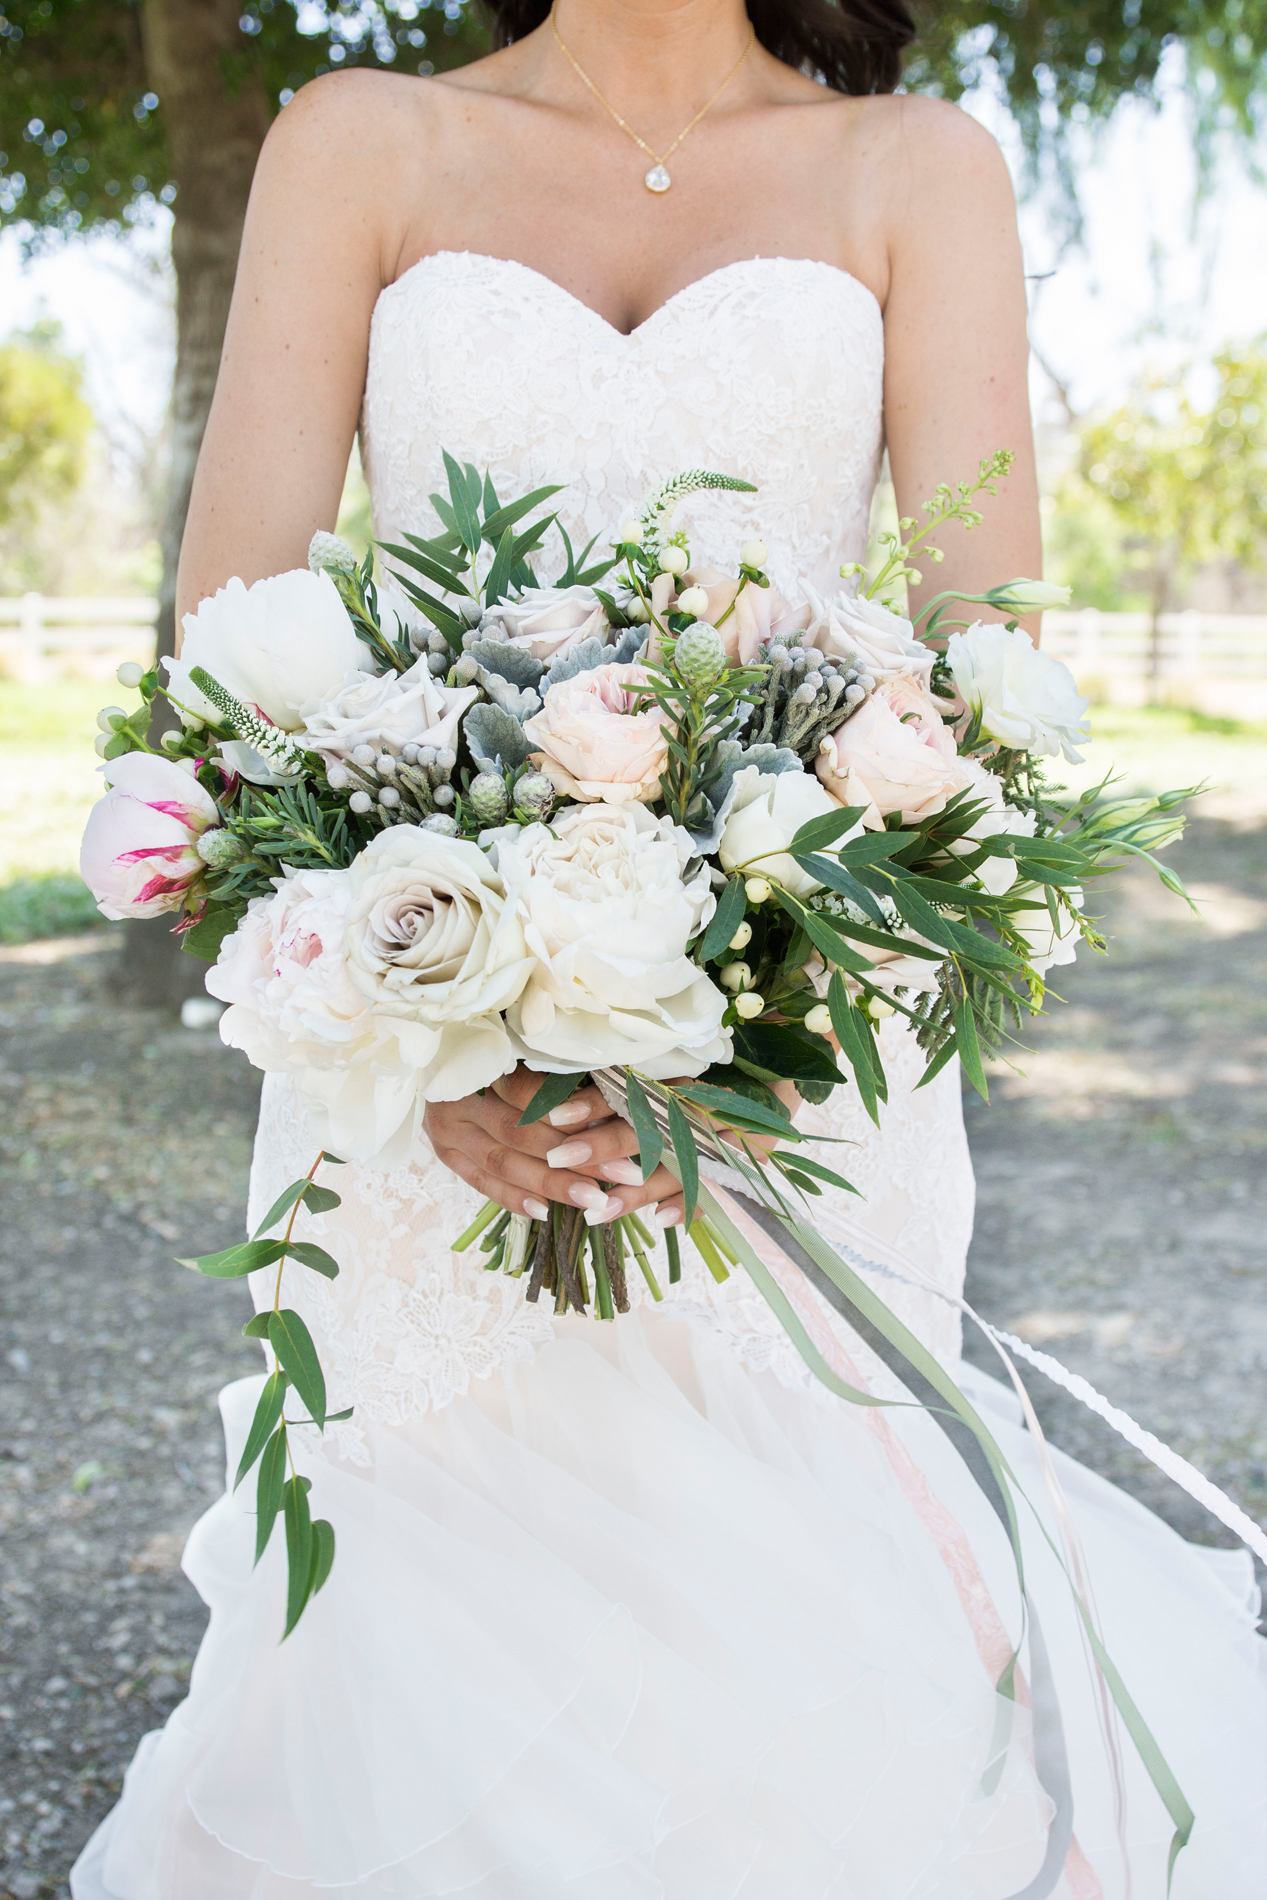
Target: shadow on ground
1120, 1223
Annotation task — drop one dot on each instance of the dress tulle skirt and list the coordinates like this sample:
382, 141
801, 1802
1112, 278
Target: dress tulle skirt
634, 1621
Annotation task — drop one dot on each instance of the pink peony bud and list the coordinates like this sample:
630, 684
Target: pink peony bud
139, 856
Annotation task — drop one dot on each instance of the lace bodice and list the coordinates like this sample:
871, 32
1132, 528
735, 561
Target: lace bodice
770, 369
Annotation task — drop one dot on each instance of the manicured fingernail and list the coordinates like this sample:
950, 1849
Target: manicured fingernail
568, 1114
536, 1210
668, 1217
628, 1173
611, 1208
587, 1194
569, 1154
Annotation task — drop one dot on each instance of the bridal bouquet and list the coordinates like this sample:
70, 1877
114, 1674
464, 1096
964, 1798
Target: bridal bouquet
670, 826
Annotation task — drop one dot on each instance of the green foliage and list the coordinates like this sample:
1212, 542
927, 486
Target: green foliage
51, 904
82, 134
44, 423
1185, 484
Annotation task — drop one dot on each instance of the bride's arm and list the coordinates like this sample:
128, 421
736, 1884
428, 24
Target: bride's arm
956, 350
318, 246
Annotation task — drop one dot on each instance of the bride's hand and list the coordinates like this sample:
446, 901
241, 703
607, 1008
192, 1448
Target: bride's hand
566, 1157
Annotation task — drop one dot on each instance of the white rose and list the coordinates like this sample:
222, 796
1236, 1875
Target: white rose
549, 621
379, 986
387, 711
280, 646
995, 875
882, 642
608, 917
1024, 698
766, 812
1048, 946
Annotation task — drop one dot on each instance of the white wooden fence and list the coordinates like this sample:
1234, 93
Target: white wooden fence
40, 633
1205, 658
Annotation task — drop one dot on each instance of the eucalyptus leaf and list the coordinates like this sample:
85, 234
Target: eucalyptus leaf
298, 1550
725, 921
854, 1038
645, 1125
687, 1158
554, 1090
310, 1255
817, 834
267, 1413
322, 1554
235, 1262
268, 1489
292, 1342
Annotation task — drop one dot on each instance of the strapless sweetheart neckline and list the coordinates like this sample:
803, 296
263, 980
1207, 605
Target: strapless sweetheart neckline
670, 303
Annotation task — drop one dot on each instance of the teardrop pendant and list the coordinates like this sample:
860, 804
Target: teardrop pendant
657, 179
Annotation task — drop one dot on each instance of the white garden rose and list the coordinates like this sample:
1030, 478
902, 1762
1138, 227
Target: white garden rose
995, 875
379, 986
387, 711
607, 916
766, 811
881, 642
280, 646
1023, 697
548, 622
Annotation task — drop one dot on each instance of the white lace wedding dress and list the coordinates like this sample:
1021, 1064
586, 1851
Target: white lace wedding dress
637, 1611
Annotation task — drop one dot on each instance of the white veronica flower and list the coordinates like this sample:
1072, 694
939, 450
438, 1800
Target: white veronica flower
1024, 698
607, 916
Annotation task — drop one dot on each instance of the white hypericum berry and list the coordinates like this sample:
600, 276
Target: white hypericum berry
187, 765
693, 600
630, 535
129, 673
879, 1009
818, 1020
171, 740
639, 612
360, 803
100, 743
328, 551
674, 561
107, 716
756, 889
749, 1005
753, 554
742, 938
736, 977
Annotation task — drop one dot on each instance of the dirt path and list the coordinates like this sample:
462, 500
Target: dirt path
1121, 1221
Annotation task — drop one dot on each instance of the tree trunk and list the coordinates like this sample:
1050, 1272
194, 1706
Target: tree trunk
215, 129
1162, 579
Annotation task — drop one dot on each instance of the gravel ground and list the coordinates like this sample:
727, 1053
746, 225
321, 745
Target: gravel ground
1120, 1224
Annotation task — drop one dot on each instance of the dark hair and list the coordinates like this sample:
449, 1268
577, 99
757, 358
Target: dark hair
856, 45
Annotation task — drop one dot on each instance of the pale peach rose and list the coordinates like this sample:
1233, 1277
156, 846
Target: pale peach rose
893, 755
761, 613
594, 743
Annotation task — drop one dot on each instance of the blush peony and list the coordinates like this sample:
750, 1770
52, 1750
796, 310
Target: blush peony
592, 741
607, 916
139, 855
893, 755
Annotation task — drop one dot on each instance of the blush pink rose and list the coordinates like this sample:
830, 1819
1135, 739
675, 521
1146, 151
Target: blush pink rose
592, 740
761, 613
893, 755
139, 856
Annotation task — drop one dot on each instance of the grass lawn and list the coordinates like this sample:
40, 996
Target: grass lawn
49, 781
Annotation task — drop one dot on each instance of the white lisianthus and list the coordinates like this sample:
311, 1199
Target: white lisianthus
1023, 697
766, 812
387, 711
548, 622
606, 914
1049, 946
380, 986
883, 643
995, 875
280, 647
1029, 597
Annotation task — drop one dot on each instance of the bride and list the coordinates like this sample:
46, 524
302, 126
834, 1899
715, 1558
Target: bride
634, 1612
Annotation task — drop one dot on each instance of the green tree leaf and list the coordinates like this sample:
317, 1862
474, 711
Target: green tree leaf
267, 1413
292, 1342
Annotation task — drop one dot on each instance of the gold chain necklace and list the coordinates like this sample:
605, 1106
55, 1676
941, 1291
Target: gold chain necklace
657, 179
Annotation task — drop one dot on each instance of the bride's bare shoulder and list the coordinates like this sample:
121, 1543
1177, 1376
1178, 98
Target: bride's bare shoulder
929, 150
